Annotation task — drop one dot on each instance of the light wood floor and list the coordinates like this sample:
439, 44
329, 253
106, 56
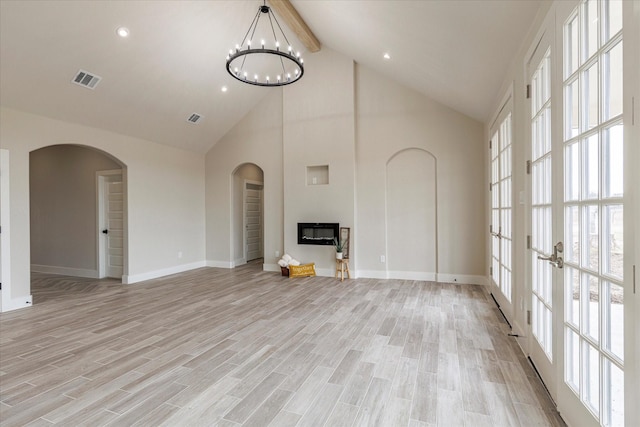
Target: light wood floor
245, 347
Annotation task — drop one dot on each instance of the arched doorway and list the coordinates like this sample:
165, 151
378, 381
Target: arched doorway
411, 215
247, 239
77, 212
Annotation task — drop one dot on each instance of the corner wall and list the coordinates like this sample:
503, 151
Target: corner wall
256, 139
392, 118
352, 120
165, 203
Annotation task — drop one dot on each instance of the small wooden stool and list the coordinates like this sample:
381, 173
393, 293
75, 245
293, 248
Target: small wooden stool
341, 265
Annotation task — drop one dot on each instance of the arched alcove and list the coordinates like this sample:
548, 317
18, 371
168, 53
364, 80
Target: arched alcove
78, 211
411, 215
247, 218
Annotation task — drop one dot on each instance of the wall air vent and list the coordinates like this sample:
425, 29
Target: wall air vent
86, 79
194, 118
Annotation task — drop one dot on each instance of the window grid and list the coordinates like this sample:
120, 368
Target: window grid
593, 205
541, 207
501, 207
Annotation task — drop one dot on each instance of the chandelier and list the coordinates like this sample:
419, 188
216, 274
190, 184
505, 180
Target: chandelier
261, 63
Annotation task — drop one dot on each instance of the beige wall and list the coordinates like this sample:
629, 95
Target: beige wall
63, 203
165, 204
352, 120
256, 139
319, 129
392, 118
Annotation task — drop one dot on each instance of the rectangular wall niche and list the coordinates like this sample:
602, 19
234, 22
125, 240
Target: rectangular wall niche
318, 175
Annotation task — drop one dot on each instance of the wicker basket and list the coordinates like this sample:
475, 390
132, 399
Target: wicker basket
285, 271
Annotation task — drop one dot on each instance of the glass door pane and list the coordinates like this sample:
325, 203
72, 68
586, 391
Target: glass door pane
594, 209
501, 207
541, 207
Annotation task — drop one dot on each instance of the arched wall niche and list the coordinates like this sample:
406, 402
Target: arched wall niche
411, 215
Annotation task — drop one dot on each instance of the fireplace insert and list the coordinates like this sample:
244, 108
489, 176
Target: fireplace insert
317, 233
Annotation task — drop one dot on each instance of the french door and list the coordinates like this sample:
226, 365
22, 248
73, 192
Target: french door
577, 213
501, 208
545, 243
592, 141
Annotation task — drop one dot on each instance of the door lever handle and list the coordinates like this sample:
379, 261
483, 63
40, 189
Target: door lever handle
552, 258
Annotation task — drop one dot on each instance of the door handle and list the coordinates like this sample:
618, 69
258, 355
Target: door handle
105, 231
554, 259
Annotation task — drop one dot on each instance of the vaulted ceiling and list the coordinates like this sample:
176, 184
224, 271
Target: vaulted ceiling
172, 64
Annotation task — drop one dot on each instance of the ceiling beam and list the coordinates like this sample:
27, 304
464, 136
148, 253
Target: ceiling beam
294, 21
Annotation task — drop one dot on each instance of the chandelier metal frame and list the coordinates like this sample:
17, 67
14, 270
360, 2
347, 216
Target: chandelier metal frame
244, 52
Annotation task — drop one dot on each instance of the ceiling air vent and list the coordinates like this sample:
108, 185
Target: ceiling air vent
86, 79
194, 118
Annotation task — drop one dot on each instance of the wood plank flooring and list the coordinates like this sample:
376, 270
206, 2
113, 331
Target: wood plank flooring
215, 347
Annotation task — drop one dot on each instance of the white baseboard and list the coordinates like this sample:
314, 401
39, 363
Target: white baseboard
219, 264
65, 271
399, 275
372, 274
239, 261
134, 278
325, 272
9, 304
462, 278
427, 276
271, 267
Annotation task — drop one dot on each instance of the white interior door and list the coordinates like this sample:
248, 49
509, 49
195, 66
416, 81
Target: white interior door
253, 220
111, 208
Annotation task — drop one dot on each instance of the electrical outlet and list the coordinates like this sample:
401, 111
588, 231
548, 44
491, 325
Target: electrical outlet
383, 258
277, 254
179, 254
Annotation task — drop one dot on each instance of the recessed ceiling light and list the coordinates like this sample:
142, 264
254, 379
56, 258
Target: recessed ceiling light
224, 88
386, 56
122, 32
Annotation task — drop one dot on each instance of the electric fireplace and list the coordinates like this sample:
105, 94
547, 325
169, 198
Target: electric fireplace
317, 233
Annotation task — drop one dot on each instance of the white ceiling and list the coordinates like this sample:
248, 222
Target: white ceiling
172, 65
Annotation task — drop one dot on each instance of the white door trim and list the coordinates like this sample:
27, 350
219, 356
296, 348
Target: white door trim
244, 217
100, 193
5, 234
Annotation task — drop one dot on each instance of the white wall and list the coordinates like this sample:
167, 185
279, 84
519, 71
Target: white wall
63, 207
165, 203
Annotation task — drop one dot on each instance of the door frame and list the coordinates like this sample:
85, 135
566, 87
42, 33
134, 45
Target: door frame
101, 181
546, 38
244, 217
5, 233
507, 107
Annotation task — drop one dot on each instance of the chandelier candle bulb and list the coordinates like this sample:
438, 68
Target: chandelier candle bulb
262, 43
